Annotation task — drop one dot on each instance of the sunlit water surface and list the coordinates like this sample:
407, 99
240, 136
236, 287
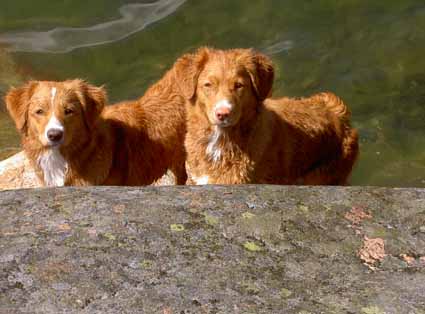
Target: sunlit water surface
371, 53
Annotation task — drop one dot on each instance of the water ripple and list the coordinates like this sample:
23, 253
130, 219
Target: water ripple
278, 47
135, 17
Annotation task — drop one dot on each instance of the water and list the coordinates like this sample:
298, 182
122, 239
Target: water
133, 18
371, 53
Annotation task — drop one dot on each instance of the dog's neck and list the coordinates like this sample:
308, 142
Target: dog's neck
54, 167
224, 141
214, 149
226, 155
230, 142
90, 162
81, 165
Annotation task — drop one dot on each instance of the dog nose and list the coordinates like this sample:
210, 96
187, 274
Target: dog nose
222, 113
55, 135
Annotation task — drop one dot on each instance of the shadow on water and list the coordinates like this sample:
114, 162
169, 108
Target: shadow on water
369, 53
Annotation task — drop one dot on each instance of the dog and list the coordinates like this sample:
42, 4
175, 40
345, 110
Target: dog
237, 134
72, 138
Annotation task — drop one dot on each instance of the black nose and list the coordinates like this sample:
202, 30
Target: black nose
55, 135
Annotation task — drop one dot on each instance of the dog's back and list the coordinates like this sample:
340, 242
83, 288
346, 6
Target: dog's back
137, 158
350, 138
317, 133
149, 135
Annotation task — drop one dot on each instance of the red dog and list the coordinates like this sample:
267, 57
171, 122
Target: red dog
236, 135
71, 139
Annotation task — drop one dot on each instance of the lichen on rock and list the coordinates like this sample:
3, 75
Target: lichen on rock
195, 250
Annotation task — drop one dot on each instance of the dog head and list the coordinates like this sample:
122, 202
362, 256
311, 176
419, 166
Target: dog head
55, 114
227, 85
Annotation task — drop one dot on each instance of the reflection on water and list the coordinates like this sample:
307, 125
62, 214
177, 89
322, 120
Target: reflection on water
371, 53
135, 17
279, 47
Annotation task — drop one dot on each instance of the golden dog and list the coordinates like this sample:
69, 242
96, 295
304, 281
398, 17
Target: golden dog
236, 135
71, 138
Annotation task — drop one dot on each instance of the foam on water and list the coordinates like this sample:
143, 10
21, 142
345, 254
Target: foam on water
134, 18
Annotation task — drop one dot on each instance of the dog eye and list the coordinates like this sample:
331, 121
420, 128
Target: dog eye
207, 84
238, 85
39, 111
69, 111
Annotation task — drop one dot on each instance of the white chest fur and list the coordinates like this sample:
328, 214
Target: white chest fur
54, 167
213, 151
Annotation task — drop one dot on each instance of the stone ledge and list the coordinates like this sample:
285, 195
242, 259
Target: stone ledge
16, 172
235, 249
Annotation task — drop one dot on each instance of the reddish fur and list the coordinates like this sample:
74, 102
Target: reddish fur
131, 143
278, 141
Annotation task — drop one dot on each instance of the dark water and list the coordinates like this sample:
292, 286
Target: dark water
371, 53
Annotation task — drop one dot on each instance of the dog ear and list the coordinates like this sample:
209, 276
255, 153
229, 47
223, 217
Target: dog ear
263, 76
17, 104
93, 100
187, 69
96, 99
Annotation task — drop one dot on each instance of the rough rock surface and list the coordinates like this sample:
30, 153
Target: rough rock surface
237, 249
17, 173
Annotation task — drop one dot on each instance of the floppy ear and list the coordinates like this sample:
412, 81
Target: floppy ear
187, 69
92, 98
95, 100
263, 76
17, 103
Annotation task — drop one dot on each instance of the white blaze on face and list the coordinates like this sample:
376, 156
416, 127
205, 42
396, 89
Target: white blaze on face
53, 95
53, 123
51, 161
222, 112
223, 104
